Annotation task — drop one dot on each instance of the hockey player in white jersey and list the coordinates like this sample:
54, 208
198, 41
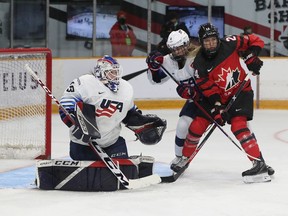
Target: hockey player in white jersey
111, 100
97, 105
178, 63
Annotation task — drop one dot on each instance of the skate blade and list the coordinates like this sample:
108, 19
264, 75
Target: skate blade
263, 177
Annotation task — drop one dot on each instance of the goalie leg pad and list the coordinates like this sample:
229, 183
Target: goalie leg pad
145, 164
81, 175
72, 175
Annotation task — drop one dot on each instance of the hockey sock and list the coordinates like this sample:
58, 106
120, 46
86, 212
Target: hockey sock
196, 129
179, 143
245, 137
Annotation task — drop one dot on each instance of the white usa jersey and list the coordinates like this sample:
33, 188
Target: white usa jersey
183, 75
110, 108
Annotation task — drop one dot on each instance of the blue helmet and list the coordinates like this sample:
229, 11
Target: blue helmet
109, 72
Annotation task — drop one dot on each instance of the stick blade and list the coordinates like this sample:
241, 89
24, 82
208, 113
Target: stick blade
175, 176
144, 182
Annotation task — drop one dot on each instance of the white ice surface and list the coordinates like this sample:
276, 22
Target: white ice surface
211, 186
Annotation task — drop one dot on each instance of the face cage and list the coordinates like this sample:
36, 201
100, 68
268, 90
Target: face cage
180, 53
107, 77
113, 82
211, 53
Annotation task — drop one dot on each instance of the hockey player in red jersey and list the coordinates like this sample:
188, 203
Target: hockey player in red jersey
219, 74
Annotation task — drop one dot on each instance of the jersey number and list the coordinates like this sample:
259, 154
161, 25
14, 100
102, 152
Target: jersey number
70, 88
231, 38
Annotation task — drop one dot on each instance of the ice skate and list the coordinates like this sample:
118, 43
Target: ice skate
271, 171
179, 163
175, 160
258, 173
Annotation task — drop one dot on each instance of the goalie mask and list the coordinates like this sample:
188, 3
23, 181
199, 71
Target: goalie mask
109, 72
178, 43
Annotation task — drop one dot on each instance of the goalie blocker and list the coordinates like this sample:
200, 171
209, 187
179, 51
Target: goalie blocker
73, 175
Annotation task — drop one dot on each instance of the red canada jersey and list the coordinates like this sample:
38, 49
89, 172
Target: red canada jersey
223, 74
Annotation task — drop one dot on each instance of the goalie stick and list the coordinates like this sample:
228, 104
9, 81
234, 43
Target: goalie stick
225, 110
129, 184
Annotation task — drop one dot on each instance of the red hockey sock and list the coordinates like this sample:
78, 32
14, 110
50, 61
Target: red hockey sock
196, 129
245, 137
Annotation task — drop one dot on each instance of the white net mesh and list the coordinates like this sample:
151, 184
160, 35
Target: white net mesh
23, 106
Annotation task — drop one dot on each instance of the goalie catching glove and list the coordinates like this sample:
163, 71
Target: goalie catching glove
148, 128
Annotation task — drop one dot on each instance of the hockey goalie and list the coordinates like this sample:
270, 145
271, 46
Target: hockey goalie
98, 104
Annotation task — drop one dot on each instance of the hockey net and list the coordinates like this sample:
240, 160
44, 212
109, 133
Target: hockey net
25, 119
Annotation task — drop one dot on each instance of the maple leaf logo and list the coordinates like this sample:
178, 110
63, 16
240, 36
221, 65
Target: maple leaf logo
228, 78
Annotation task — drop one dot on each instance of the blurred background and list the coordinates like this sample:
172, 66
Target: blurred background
82, 28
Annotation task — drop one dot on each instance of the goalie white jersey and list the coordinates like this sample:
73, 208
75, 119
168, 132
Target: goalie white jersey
110, 107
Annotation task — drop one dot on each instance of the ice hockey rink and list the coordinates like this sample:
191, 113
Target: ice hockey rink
212, 185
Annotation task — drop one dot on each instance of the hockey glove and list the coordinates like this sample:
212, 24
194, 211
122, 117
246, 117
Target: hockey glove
85, 123
186, 91
154, 60
69, 105
218, 113
252, 61
148, 128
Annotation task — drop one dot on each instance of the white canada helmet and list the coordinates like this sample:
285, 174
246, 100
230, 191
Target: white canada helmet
178, 40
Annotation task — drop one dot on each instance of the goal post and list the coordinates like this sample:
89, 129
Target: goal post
25, 109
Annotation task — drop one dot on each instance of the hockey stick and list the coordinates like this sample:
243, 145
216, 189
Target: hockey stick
132, 75
225, 110
205, 138
129, 184
232, 100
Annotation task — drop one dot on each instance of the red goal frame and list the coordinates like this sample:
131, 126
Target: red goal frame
48, 116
